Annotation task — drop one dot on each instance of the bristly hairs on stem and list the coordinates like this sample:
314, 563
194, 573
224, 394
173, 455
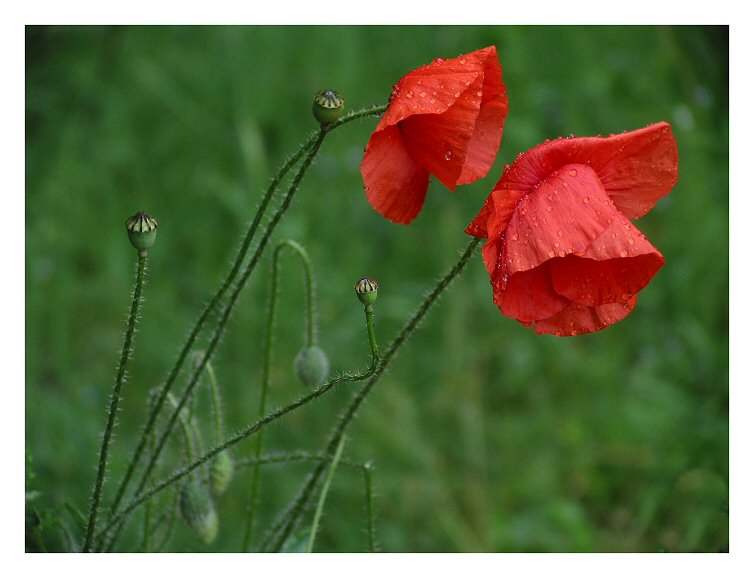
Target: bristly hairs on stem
287, 521
180, 474
313, 142
142, 231
310, 337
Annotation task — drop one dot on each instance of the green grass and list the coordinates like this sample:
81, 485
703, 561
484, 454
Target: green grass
484, 436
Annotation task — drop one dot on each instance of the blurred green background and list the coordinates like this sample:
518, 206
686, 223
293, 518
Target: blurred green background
484, 436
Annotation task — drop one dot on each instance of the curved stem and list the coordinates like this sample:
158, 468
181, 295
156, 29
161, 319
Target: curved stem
267, 362
288, 520
312, 145
114, 400
249, 431
168, 383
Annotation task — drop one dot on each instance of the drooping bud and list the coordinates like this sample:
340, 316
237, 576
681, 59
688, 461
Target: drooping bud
311, 366
328, 106
366, 290
142, 230
221, 473
198, 511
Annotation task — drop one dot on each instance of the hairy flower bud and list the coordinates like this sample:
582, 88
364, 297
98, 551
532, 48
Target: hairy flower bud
221, 472
366, 290
328, 106
142, 230
198, 511
311, 366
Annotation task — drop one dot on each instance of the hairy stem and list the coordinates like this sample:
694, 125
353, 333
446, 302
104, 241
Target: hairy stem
114, 401
290, 517
267, 361
249, 431
209, 307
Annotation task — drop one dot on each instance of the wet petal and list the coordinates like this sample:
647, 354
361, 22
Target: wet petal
577, 318
395, 185
616, 266
564, 215
530, 296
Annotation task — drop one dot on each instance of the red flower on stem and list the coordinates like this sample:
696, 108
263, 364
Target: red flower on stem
445, 119
561, 252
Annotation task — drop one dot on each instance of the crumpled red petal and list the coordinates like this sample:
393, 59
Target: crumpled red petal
577, 319
564, 215
616, 266
636, 169
395, 185
449, 115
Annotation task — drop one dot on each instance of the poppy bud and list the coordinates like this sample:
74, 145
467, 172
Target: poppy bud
328, 106
221, 473
198, 511
142, 231
311, 366
366, 290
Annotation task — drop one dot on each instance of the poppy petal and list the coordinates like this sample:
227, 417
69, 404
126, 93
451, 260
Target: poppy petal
617, 265
438, 142
637, 168
530, 296
488, 130
395, 186
563, 215
577, 318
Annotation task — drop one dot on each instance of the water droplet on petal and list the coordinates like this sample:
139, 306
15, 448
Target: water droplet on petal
630, 241
586, 199
549, 209
422, 94
409, 94
573, 172
624, 253
448, 155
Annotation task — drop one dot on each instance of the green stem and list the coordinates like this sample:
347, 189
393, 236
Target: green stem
288, 520
267, 361
323, 494
249, 431
168, 383
114, 400
217, 409
312, 146
370, 510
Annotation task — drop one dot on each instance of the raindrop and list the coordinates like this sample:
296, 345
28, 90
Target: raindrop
479, 93
422, 94
462, 61
630, 241
549, 209
560, 233
448, 155
409, 94
551, 254
457, 94
586, 199
514, 237
572, 172
624, 253
438, 61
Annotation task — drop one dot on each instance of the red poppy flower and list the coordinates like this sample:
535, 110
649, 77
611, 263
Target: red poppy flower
561, 252
445, 118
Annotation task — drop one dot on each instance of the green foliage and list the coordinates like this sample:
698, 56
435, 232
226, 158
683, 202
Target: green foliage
485, 436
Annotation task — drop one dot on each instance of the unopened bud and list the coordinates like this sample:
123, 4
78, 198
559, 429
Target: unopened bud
198, 511
221, 473
142, 230
366, 290
311, 366
328, 106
